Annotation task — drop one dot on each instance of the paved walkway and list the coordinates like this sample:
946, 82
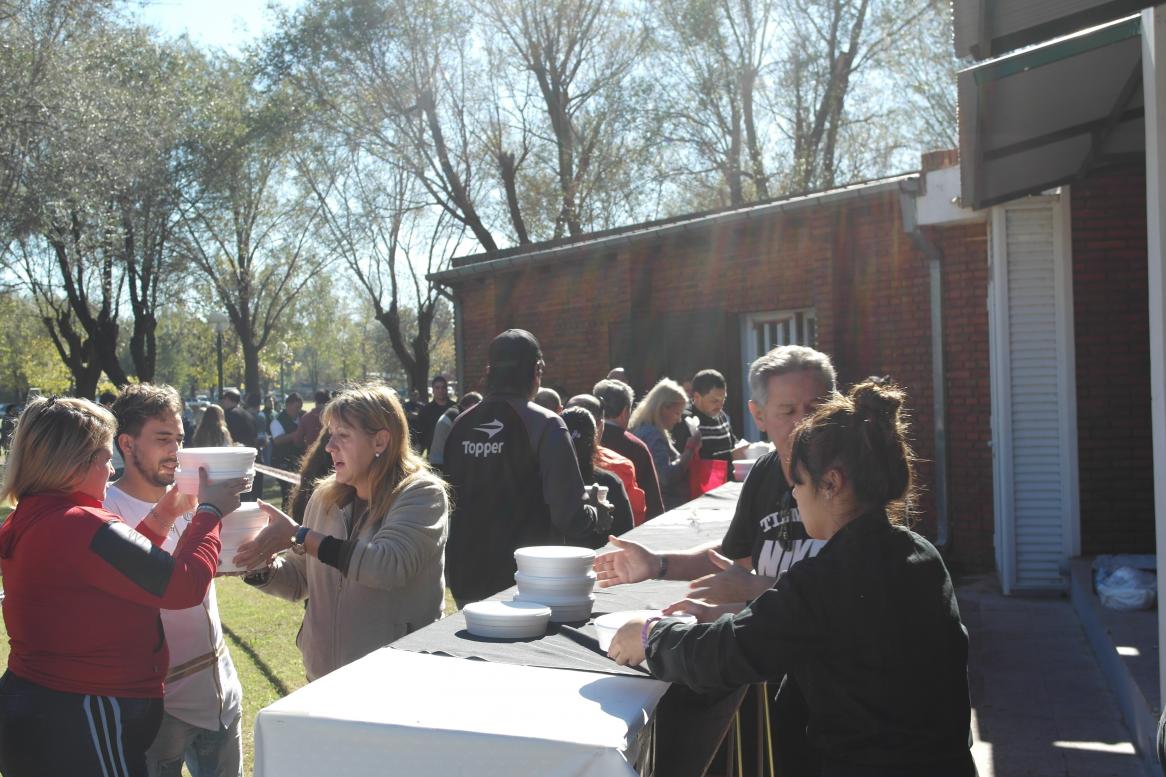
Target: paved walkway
1040, 705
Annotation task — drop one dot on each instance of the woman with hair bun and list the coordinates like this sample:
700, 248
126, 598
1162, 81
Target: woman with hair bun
369, 556
869, 628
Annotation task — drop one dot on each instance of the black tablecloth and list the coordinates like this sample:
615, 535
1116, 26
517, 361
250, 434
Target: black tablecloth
574, 645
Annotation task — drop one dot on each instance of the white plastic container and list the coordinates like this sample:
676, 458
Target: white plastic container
554, 560
742, 468
602, 493
235, 458
237, 528
507, 620
186, 481
576, 585
756, 450
607, 625
564, 609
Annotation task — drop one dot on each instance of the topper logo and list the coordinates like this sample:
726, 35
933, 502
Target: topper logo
490, 429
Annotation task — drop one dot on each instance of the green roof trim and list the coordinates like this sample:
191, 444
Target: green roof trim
1057, 50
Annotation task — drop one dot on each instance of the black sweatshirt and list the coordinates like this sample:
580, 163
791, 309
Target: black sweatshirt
871, 632
515, 483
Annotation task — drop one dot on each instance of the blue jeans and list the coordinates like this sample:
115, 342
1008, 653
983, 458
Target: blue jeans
206, 753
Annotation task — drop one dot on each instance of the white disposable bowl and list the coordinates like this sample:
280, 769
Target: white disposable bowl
576, 585
756, 450
237, 528
564, 609
186, 481
554, 560
506, 620
233, 458
607, 625
742, 468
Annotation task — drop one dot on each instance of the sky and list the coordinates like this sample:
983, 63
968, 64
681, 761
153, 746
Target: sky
226, 24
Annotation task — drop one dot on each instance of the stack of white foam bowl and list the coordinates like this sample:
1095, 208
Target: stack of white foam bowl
558, 576
755, 450
219, 463
239, 527
507, 620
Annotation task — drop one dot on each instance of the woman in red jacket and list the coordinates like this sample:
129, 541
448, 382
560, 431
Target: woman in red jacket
83, 690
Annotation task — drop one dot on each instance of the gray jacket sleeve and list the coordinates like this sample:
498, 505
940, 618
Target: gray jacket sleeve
289, 577
562, 483
412, 535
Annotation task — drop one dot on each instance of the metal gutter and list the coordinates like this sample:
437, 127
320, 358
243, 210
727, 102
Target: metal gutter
909, 191
557, 253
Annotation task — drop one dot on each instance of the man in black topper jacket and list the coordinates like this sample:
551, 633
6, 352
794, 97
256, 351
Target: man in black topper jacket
514, 475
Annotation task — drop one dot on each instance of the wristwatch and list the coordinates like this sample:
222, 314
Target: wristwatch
297, 545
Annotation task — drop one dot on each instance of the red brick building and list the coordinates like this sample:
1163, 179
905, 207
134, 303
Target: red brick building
842, 271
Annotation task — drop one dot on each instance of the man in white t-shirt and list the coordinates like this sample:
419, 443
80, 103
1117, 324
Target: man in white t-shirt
203, 699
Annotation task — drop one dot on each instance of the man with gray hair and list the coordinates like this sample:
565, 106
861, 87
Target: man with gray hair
617, 398
766, 536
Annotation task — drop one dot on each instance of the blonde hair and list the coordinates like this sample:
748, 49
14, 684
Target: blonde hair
371, 408
666, 392
55, 442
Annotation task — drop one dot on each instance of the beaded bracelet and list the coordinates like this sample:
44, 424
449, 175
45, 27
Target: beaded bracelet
207, 507
647, 629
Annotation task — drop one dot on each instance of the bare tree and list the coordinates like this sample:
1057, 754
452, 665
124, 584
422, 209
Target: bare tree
245, 228
580, 55
377, 222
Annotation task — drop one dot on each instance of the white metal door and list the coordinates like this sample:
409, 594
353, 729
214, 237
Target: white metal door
761, 333
1034, 427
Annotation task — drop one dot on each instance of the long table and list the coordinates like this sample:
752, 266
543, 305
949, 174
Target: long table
441, 701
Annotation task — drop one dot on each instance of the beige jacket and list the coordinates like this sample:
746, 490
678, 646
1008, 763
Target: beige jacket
392, 581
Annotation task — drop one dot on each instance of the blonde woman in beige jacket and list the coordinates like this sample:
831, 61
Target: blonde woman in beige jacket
370, 555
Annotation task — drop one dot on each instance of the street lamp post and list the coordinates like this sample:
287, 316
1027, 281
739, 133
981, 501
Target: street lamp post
219, 322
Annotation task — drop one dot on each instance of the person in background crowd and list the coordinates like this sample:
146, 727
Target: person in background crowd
311, 423
514, 476
652, 422
765, 538
212, 430
202, 720
262, 440
286, 449
445, 425
241, 424
617, 398
870, 627
610, 461
8, 425
618, 373
550, 399
82, 694
269, 418
315, 465
369, 553
413, 407
584, 436
106, 400
429, 414
718, 444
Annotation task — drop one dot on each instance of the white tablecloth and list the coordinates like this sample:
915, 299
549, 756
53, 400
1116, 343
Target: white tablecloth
400, 713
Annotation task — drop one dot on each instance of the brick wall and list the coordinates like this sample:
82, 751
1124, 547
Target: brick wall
674, 303
1111, 323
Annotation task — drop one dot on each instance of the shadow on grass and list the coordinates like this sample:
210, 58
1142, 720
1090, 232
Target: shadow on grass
260, 664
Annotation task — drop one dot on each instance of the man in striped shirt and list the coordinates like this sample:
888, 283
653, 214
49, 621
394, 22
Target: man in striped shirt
718, 444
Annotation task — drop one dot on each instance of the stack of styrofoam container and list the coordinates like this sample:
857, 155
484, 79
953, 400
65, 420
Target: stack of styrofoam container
238, 527
506, 620
558, 576
219, 463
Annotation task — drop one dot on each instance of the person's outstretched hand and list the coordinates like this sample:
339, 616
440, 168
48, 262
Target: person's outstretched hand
732, 584
173, 504
702, 611
630, 563
275, 537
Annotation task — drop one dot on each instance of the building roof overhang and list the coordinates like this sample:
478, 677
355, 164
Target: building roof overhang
540, 254
1048, 115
